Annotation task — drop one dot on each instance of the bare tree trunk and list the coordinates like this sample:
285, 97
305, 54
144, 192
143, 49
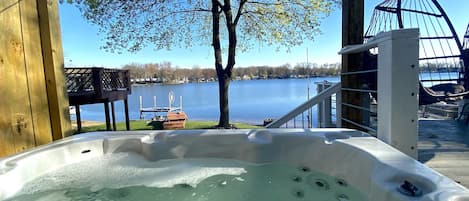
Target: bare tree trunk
224, 120
223, 86
224, 75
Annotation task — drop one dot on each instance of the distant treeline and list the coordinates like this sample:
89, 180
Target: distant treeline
440, 67
164, 72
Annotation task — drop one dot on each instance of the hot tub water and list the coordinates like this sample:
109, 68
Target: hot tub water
129, 176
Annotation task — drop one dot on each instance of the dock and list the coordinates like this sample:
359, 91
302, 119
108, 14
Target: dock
444, 146
172, 118
160, 109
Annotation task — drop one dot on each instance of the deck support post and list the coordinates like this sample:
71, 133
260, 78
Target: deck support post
78, 114
126, 109
113, 115
106, 112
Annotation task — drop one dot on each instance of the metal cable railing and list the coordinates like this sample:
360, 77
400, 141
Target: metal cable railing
385, 83
301, 117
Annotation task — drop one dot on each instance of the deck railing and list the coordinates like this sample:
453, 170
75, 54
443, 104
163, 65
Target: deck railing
396, 94
297, 118
96, 81
397, 87
98, 85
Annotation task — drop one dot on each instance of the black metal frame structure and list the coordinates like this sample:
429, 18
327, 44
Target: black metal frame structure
441, 51
439, 42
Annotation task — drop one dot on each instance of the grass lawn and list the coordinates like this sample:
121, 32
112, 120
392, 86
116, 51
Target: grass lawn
143, 125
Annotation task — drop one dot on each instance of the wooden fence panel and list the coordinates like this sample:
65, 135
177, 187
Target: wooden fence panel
6, 135
33, 102
35, 71
17, 121
51, 41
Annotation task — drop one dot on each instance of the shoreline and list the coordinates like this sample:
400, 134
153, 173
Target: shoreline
88, 123
141, 84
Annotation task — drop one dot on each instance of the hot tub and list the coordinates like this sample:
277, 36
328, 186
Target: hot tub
273, 164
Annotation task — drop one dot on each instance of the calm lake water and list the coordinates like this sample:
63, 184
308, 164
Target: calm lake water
251, 101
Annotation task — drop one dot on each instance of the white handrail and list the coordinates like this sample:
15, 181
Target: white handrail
320, 97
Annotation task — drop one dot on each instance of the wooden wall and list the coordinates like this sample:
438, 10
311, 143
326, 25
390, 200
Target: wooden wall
33, 99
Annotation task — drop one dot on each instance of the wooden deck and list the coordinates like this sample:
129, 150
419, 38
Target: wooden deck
444, 146
98, 85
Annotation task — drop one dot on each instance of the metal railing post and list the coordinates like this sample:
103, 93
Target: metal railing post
324, 107
398, 68
321, 112
398, 83
338, 109
327, 108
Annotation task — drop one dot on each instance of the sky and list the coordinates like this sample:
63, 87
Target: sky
81, 43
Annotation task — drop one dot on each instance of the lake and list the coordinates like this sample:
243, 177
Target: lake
251, 101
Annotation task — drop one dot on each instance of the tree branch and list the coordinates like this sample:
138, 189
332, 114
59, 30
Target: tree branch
297, 3
217, 3
193, 10
263, 3
181, 11
232, 38
240, 10
216, 36
259, 12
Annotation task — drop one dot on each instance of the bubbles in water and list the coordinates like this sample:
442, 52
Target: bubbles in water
127, 169
130, 178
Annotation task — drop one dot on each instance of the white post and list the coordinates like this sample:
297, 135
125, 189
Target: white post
140, 102
169, 102
398, 68
324, 107
180, 103
141, 113
327, 109
338, 109
321, 113
310, 113
154, 105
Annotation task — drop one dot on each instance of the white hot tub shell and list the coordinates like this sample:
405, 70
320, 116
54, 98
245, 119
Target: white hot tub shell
371, 166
